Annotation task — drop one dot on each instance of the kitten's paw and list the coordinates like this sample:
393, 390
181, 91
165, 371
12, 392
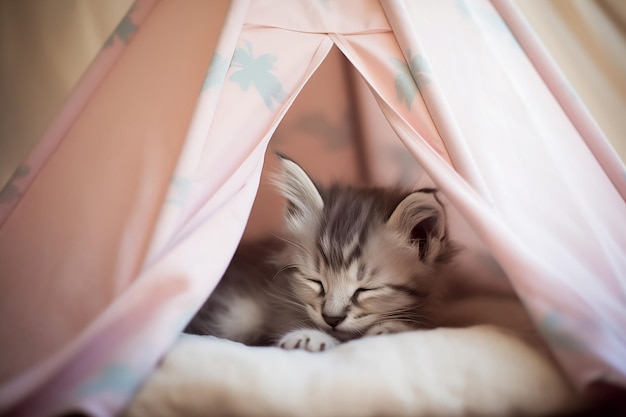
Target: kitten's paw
308, 339
387, 328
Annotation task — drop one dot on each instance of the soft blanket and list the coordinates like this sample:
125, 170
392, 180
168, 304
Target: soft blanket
481, 370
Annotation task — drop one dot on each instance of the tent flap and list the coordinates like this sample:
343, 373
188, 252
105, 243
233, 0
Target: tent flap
144, 184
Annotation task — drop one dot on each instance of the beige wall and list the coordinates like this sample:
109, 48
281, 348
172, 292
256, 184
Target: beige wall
588, 40
45, 46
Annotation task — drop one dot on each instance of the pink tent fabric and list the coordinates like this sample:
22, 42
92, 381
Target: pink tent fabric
121, 222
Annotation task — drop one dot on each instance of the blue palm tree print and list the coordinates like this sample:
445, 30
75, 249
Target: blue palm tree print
257, 71
115, 378
124, 30
553, 329
410, 77
217, 71
486, 14
11, 192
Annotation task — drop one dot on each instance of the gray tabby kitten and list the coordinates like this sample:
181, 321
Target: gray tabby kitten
352, 262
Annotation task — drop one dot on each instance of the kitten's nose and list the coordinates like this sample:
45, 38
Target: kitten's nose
333, 321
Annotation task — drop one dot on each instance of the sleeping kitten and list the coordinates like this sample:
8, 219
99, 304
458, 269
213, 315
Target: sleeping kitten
352, 262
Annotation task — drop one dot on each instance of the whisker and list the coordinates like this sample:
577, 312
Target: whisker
288, 301
284, 268
296, 244
417, 322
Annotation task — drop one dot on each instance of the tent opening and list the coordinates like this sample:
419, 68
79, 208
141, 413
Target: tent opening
337, 132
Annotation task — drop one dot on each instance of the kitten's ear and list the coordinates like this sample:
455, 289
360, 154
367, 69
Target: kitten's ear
420, 218
303, 198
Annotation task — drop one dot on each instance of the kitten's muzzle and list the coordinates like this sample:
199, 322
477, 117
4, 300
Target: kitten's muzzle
333, 321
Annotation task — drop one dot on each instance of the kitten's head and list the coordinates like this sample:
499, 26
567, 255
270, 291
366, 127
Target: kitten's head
362, 256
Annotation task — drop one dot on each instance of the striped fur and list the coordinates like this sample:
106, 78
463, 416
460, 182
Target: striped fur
351, 262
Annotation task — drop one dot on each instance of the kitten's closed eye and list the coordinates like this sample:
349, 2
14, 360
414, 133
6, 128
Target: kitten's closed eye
320, 287
385, 290
359, 291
